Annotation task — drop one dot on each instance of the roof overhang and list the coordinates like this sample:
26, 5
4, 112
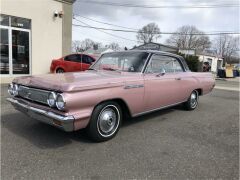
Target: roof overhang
157, 44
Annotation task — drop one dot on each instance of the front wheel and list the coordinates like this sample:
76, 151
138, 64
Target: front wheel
192, 101
59, 70
105, 121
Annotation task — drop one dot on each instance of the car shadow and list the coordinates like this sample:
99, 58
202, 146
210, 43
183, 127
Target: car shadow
46, 137
41, 135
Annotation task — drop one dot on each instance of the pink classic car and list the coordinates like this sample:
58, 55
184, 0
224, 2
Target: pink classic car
116, 86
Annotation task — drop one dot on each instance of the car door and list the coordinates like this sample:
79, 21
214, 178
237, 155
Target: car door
185, 81
72, 62
161, 82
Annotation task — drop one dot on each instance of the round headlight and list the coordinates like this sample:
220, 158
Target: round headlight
15, 89
60, 102
52, 99
10, 89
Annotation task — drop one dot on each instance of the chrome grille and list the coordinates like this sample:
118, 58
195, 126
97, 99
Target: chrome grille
33, 94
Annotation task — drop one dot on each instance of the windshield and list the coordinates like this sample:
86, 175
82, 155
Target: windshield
121, 61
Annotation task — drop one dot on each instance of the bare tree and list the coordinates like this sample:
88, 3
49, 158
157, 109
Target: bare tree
97, 45
189, 37
81, 46
226, 46
114, 46
86, 44
76, 46
149, 33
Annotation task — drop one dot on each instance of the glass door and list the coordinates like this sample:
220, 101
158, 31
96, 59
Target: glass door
20, 52
15, 44
4, 46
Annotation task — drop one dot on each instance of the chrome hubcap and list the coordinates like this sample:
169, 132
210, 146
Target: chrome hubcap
60, 71
108, 121
193, 99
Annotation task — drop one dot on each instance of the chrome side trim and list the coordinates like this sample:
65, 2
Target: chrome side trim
157, 109
44, 116
134, 86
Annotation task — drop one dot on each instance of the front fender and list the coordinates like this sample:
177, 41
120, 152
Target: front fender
82, 103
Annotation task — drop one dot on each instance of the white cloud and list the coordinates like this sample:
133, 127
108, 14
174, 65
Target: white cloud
212, 19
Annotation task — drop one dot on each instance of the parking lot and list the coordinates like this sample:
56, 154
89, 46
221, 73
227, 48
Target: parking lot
169, 144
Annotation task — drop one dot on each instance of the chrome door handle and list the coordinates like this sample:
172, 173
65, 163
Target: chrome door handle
178, 78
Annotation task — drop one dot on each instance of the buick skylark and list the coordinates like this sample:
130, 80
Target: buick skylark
117, 86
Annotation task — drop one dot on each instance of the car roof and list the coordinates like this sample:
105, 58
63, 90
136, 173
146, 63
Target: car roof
80, 53
147, 51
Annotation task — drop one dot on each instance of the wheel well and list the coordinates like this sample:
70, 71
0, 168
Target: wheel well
123, 105
60, 68
199, 91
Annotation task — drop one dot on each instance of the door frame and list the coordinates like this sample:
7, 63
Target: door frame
10, 29
157, 77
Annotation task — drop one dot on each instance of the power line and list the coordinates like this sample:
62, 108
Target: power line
163, 6
101, 30
91, 36
168, 33
135, 30
104, 22
101, 39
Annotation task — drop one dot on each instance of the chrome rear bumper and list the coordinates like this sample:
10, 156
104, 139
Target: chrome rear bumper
63, 122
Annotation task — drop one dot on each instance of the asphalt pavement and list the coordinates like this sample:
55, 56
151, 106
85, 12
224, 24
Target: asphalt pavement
168, 144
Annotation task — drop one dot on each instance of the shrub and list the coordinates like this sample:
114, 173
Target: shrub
192, 62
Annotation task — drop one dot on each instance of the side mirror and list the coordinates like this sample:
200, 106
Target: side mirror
162, 73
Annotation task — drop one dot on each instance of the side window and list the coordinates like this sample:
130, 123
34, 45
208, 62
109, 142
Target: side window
91, 60
87, 60
177, 66
73, 58
160, 63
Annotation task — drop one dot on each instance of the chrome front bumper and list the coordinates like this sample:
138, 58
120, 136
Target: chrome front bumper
65, 123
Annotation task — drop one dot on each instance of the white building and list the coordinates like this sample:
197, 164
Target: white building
208, 55
32, 34
157, 47
187, 51
214, 61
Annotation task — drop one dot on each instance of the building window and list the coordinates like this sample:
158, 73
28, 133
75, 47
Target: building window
15, 45
4, 20
20, 22
4, 52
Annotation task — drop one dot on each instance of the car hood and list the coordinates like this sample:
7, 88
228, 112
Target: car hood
78, 80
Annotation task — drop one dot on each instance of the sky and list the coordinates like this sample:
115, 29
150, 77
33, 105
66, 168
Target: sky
168, 19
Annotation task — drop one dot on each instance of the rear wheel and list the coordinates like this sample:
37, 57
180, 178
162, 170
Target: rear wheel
105, 121
60, 70
192, 101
